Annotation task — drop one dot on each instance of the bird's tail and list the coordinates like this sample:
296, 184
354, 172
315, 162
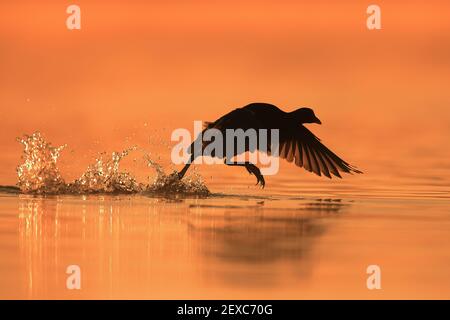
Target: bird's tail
207, 124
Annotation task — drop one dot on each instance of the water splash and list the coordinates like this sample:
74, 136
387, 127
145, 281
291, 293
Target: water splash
39, 174
170, 184
104, 176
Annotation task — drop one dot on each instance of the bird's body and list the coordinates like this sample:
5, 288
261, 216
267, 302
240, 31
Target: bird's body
261, 115
296, 143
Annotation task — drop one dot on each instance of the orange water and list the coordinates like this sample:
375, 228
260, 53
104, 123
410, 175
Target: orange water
223, 247
138, 70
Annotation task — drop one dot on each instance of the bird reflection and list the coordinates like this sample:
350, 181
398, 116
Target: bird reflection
261, 237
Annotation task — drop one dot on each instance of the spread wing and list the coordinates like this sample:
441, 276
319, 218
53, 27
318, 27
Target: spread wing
303, 148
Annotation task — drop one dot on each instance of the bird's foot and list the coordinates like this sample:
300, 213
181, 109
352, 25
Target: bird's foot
252, 169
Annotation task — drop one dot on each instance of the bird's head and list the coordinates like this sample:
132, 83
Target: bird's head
305, 115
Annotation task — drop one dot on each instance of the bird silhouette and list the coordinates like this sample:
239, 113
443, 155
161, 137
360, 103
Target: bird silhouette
296, 143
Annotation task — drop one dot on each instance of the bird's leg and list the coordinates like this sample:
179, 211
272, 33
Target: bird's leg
186, 167
251, 168
183, 171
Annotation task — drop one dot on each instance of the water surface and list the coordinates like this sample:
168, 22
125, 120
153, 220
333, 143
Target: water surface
223, 246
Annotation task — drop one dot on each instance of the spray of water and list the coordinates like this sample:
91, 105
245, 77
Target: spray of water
39, 171
104, 176
39, 174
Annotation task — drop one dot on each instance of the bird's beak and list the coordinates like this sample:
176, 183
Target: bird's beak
317, 120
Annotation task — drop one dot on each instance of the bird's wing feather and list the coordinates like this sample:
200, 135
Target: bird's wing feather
303, 148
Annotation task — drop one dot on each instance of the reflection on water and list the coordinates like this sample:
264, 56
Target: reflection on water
123, 244
247, 239
219, 247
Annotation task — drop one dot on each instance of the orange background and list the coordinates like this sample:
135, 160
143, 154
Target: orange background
139, 69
